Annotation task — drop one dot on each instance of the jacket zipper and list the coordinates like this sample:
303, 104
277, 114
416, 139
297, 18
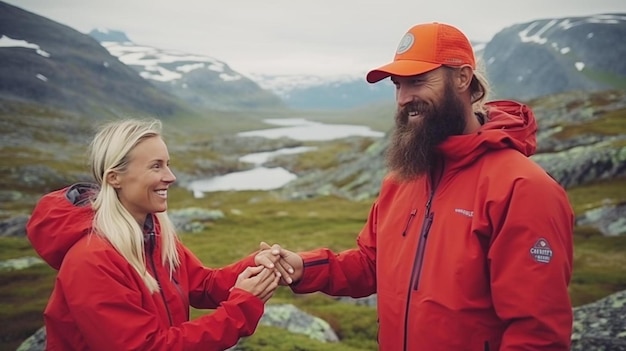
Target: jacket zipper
180, 292
156, 276
408, 223
428, 221
417, 264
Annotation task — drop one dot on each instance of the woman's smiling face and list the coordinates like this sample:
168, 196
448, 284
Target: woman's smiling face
142, 187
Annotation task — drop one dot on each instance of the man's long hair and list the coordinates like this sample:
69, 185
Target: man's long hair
479, 90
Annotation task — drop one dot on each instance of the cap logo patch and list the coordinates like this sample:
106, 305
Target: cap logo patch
405, 44
454, 61
541, 251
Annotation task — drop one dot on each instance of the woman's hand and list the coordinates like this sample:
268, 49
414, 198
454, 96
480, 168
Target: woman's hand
259, 281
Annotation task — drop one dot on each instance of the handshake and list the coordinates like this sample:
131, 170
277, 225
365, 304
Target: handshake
274, 266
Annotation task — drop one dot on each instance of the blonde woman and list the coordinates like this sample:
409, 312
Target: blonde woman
125, 281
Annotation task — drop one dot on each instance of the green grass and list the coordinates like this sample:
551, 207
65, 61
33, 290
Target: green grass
260, 216
590, 196
611, 123
276, 339
614, 80
251, 217
599, 261
23, 294
599, 266
296, 226
326, 155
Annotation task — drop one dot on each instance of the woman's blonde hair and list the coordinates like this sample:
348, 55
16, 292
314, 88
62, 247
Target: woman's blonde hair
109, 152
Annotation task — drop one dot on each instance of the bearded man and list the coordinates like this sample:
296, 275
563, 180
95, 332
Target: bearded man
469, 244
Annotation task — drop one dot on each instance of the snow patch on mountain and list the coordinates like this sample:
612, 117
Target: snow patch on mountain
165, 65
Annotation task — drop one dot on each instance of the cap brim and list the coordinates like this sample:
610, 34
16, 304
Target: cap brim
400, 68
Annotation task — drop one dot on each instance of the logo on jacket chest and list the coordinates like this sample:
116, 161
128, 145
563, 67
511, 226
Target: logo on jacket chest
464, 212
541, 251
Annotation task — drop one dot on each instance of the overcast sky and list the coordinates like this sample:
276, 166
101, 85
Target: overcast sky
321, 37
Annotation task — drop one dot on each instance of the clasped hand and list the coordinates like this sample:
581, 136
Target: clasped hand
274, 266
287, 264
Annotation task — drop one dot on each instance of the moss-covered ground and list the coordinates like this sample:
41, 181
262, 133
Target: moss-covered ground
599, 265
600, 262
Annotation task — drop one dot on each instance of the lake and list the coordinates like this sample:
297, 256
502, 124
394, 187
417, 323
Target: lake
305, 130
263, 178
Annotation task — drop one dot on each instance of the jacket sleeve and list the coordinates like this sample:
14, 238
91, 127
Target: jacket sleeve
209, 287
348, 273
530, 262
110, 311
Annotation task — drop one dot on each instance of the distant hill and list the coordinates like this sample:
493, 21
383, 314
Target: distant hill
105, 73
202, 81
326, 93
47, 63
556, 55
523, 61
311, 92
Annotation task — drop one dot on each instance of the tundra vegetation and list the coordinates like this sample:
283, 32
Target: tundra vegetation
254, 216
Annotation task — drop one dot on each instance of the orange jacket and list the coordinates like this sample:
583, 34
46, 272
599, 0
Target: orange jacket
99, 302
481, 262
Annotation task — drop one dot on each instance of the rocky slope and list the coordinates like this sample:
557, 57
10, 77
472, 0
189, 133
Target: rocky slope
49, 64
202, 81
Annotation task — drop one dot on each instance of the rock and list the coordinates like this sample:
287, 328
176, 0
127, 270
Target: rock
283, 316
191, 219
10, 195
15, 264
292, 319
369, 301
608, 219
601, 325
36, 342
14, 226
585, 164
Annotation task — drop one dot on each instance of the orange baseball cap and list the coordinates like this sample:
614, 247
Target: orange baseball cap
426, 47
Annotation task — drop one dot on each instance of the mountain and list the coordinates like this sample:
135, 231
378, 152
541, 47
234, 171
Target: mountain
105, 73
50, 64
310, 92
522, 61
556, 55
202, 81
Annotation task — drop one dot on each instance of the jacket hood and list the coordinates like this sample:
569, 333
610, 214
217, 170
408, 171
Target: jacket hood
510, 125
59, 220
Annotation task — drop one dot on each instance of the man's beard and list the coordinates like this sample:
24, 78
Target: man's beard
412, 151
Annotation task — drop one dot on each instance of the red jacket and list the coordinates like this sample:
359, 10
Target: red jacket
99, 302
481, 262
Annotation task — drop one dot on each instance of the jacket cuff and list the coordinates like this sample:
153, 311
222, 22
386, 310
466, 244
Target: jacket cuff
315, 272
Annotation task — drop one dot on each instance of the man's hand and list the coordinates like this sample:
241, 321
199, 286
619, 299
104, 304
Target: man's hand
287, 263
